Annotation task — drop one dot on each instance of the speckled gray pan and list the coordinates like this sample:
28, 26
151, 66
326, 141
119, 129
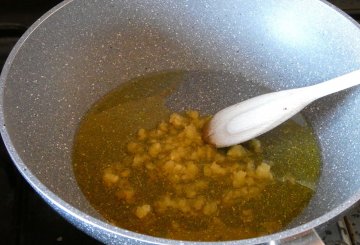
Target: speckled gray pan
82, 49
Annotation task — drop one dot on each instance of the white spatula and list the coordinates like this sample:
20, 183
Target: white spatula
253, 117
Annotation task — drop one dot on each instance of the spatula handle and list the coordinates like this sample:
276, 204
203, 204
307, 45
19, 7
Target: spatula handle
253, 117
334, 85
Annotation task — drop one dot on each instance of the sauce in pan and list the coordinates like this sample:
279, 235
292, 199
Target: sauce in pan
146, 169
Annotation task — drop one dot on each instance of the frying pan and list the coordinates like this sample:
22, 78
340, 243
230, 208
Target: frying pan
81, 49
